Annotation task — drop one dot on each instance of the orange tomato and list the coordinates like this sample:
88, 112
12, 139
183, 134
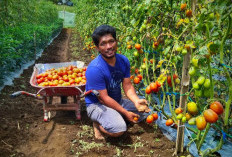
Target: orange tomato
136, 80
178, 110
148, 90
140, 76
136, 118
138, 46
201, 123
149, 119
189, 13
183, 6
210, 116
169, 122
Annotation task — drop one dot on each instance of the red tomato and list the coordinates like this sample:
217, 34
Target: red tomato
217, 107
140, 76
155, 116
178, 110
154, 87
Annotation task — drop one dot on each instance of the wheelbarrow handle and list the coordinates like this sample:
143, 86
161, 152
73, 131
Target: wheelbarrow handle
95, 92
18, 93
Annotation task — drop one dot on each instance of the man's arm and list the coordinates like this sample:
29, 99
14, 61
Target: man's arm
140, 104
108, 101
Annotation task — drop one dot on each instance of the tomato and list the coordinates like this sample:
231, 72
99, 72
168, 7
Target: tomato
192, 121
177, 81
158, 84
179, 116
178, 110
207, 83
169, 122
189, 13
138, 46
201, 123
217, 107
140, 51
175, 76
198, 93
151, 61
148, 90
188, 116
192, 108
136, 80
153, 86
149, 119
156, 44
169, 80
38, 76
206, 93
201, 80
183, 6
155, 116
211, 16
184, 119
136, 53
184, 51
136, 118
136, 70
134, 38
195, 62
192, 71
143, 66
210, 116
132, 77
129, 46
195, 85
140, 76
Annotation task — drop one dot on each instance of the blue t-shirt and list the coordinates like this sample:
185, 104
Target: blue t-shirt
100, 75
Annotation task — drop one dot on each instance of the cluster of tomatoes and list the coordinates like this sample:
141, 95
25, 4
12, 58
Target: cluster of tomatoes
209, 116
153, 87
175, 79
151, 118
65, 76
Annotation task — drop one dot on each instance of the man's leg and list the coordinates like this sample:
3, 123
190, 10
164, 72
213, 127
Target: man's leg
106, 120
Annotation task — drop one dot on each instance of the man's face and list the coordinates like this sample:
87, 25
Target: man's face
107, 46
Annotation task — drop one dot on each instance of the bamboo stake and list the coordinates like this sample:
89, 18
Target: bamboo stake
183, 97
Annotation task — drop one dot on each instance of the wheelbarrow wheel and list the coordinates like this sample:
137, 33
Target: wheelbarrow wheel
78, 114
48, 115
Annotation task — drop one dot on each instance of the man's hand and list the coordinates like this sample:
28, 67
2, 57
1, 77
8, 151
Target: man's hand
141, 105
131, 117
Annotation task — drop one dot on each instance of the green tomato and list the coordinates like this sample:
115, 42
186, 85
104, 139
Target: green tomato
207, 93
134, 38
207, 83
201, 80
195, 62
179, 116
184, 119
198, 93
192, 121
192, 71
136, 53
211, 16
184, 52
178, 48
195, 85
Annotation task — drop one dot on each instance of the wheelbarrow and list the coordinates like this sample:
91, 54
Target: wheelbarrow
47, 93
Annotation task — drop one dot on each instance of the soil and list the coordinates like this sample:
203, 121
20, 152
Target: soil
24, 133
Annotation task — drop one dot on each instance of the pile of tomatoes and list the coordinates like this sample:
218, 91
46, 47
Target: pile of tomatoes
64, 76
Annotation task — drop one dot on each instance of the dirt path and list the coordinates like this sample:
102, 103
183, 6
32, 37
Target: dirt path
23, 132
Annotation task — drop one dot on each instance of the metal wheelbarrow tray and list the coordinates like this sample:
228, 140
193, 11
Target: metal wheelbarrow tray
46, 93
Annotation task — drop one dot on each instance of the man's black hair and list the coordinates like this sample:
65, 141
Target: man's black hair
101, 31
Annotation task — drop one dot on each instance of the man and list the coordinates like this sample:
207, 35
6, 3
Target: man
106, 73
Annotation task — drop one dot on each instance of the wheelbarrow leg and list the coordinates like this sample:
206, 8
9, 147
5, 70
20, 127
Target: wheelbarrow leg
78, 107
46, 118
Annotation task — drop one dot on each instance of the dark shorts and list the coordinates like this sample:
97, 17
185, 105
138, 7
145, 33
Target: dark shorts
111, 120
